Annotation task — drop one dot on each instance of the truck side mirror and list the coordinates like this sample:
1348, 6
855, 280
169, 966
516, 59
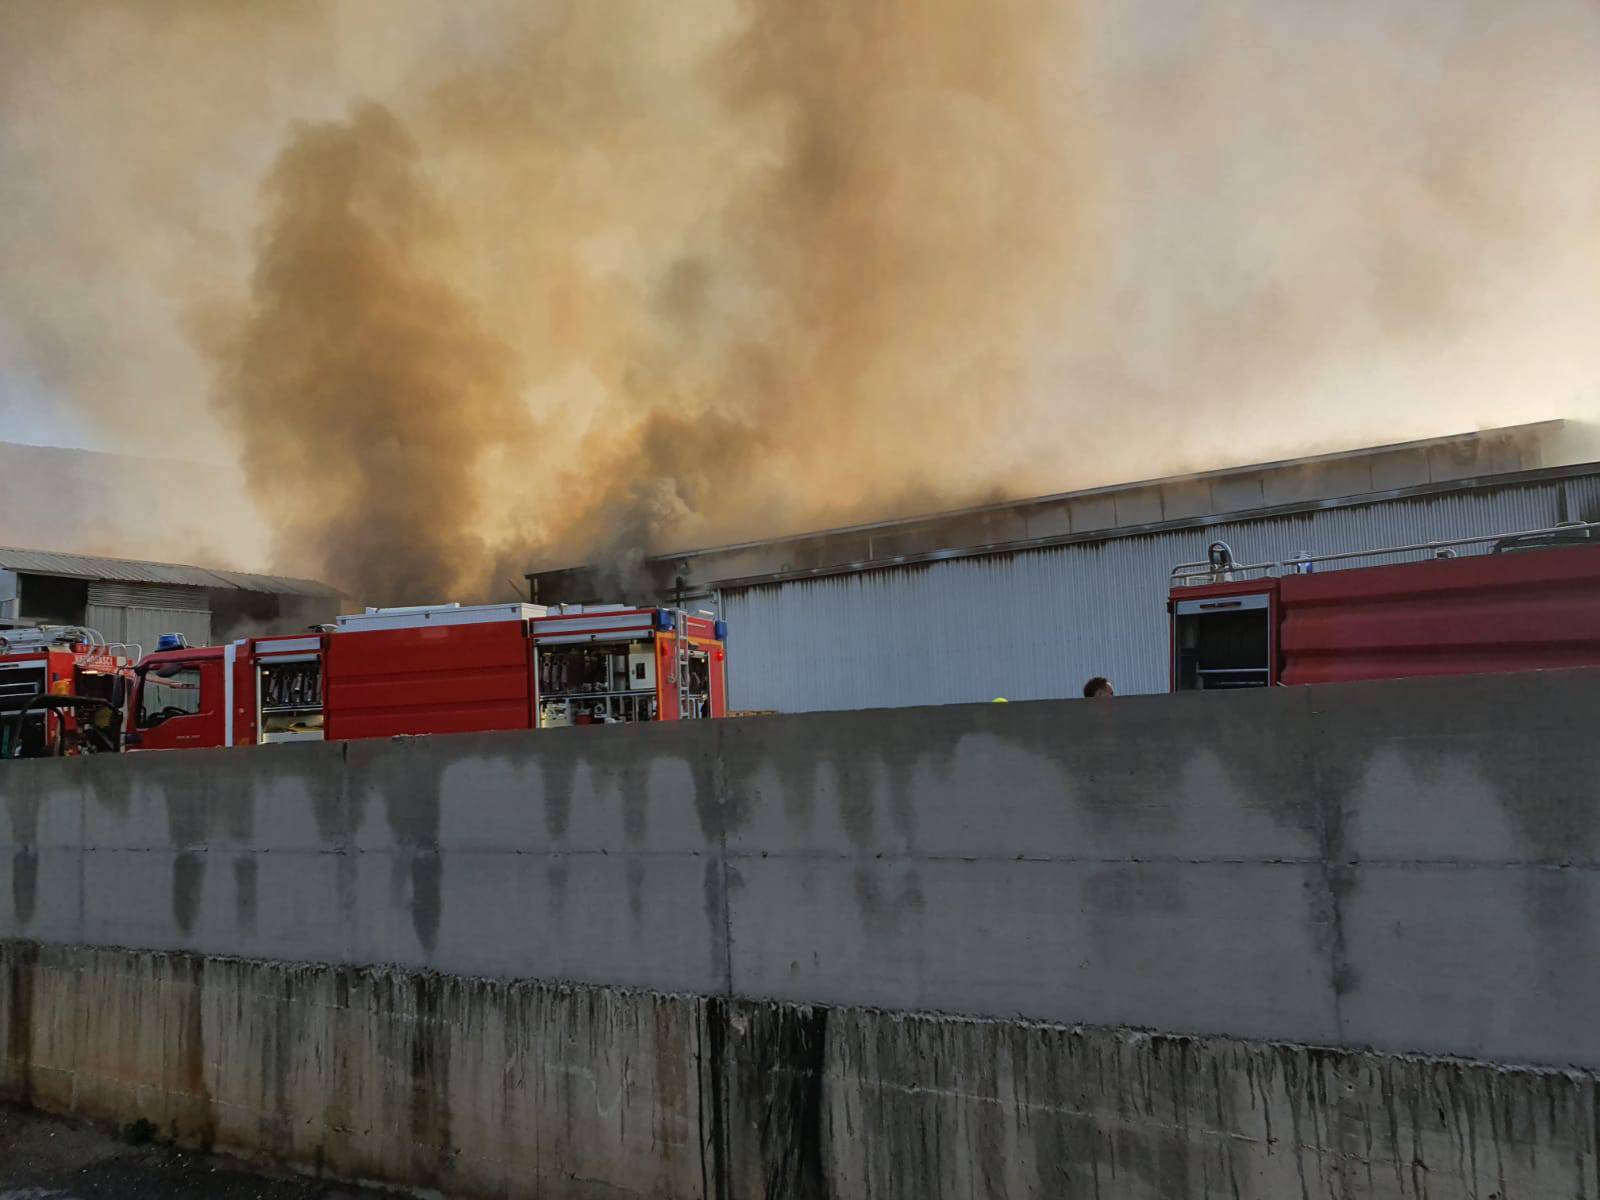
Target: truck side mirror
119, 692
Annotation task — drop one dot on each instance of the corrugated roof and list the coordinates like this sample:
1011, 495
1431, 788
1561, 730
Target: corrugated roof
1450, 463
130, 570
1319, 470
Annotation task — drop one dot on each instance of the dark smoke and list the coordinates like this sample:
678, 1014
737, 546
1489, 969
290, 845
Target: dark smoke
362, 386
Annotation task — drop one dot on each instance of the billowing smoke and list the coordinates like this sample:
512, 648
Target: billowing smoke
364, 391
472, 288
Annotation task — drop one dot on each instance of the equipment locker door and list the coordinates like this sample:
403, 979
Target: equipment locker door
1224, 639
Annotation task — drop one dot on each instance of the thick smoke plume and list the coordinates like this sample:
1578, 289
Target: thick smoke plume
364, 391
466, 289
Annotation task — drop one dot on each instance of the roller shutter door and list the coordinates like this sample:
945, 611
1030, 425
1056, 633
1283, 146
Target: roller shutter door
138, 614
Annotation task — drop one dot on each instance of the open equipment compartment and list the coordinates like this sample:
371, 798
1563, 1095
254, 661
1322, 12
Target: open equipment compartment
290, 699
611, 664
1223, 642
604, 683
20, 682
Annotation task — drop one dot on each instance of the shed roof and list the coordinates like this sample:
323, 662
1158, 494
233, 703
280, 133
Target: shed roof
131, 570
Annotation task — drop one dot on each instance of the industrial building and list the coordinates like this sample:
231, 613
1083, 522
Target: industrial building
132, 602
1027, 599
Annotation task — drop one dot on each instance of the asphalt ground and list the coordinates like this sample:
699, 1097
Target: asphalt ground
44, 1158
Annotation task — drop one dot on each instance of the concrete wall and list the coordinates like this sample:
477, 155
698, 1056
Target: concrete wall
1397, 873
1404, 866
511, 1089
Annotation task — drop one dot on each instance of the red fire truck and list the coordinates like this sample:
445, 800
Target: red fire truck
436, 669
62, 691
1507, 602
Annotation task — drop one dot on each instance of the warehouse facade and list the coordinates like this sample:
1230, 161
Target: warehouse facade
1028, 599
133, 602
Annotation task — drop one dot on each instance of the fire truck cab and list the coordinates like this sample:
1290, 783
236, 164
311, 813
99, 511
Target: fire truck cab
62, 691
1521, 602
251, 691
446, 668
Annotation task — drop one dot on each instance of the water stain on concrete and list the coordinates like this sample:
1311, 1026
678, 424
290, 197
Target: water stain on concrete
408, 787
24, 884
22, 807
636, 895
774, 1068
245, 870
626, 776
330, 806
18, 967
859, 755
718, 878
891, 906
556, 875
428, 1057
188, 885
559, 769
426, 897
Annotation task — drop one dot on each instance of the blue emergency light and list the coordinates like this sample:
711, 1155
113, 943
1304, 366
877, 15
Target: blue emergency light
171, 641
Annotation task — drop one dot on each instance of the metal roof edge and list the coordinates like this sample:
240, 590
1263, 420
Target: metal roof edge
62, 564
1118, 532
1549, 426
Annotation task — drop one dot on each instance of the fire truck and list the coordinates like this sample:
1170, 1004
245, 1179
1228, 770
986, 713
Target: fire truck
448, 668
1504, 602
62, 691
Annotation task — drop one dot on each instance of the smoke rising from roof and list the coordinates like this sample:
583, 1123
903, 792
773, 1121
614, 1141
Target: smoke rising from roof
525, 283
364, 391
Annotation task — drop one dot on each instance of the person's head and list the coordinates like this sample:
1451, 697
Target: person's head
1097, 688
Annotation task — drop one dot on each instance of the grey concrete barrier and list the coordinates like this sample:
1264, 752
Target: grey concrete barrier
1402, 866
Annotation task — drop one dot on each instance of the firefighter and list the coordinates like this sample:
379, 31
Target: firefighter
1098, 688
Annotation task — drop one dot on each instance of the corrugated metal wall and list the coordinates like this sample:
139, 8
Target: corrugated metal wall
140, 613
1036, 624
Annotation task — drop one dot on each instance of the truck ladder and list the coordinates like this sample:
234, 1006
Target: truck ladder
680, 629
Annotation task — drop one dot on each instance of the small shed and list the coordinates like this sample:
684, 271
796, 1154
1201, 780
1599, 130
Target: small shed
134, 601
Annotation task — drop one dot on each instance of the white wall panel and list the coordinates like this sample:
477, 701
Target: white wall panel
1037, 624
142, 626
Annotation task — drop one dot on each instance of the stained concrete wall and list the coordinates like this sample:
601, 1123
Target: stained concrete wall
1405, 866
521, 1089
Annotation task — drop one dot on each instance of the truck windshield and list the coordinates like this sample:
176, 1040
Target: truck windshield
173, 693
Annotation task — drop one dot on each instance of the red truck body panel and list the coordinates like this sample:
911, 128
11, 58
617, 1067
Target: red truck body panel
1474, 614
447, 679
1455, 616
